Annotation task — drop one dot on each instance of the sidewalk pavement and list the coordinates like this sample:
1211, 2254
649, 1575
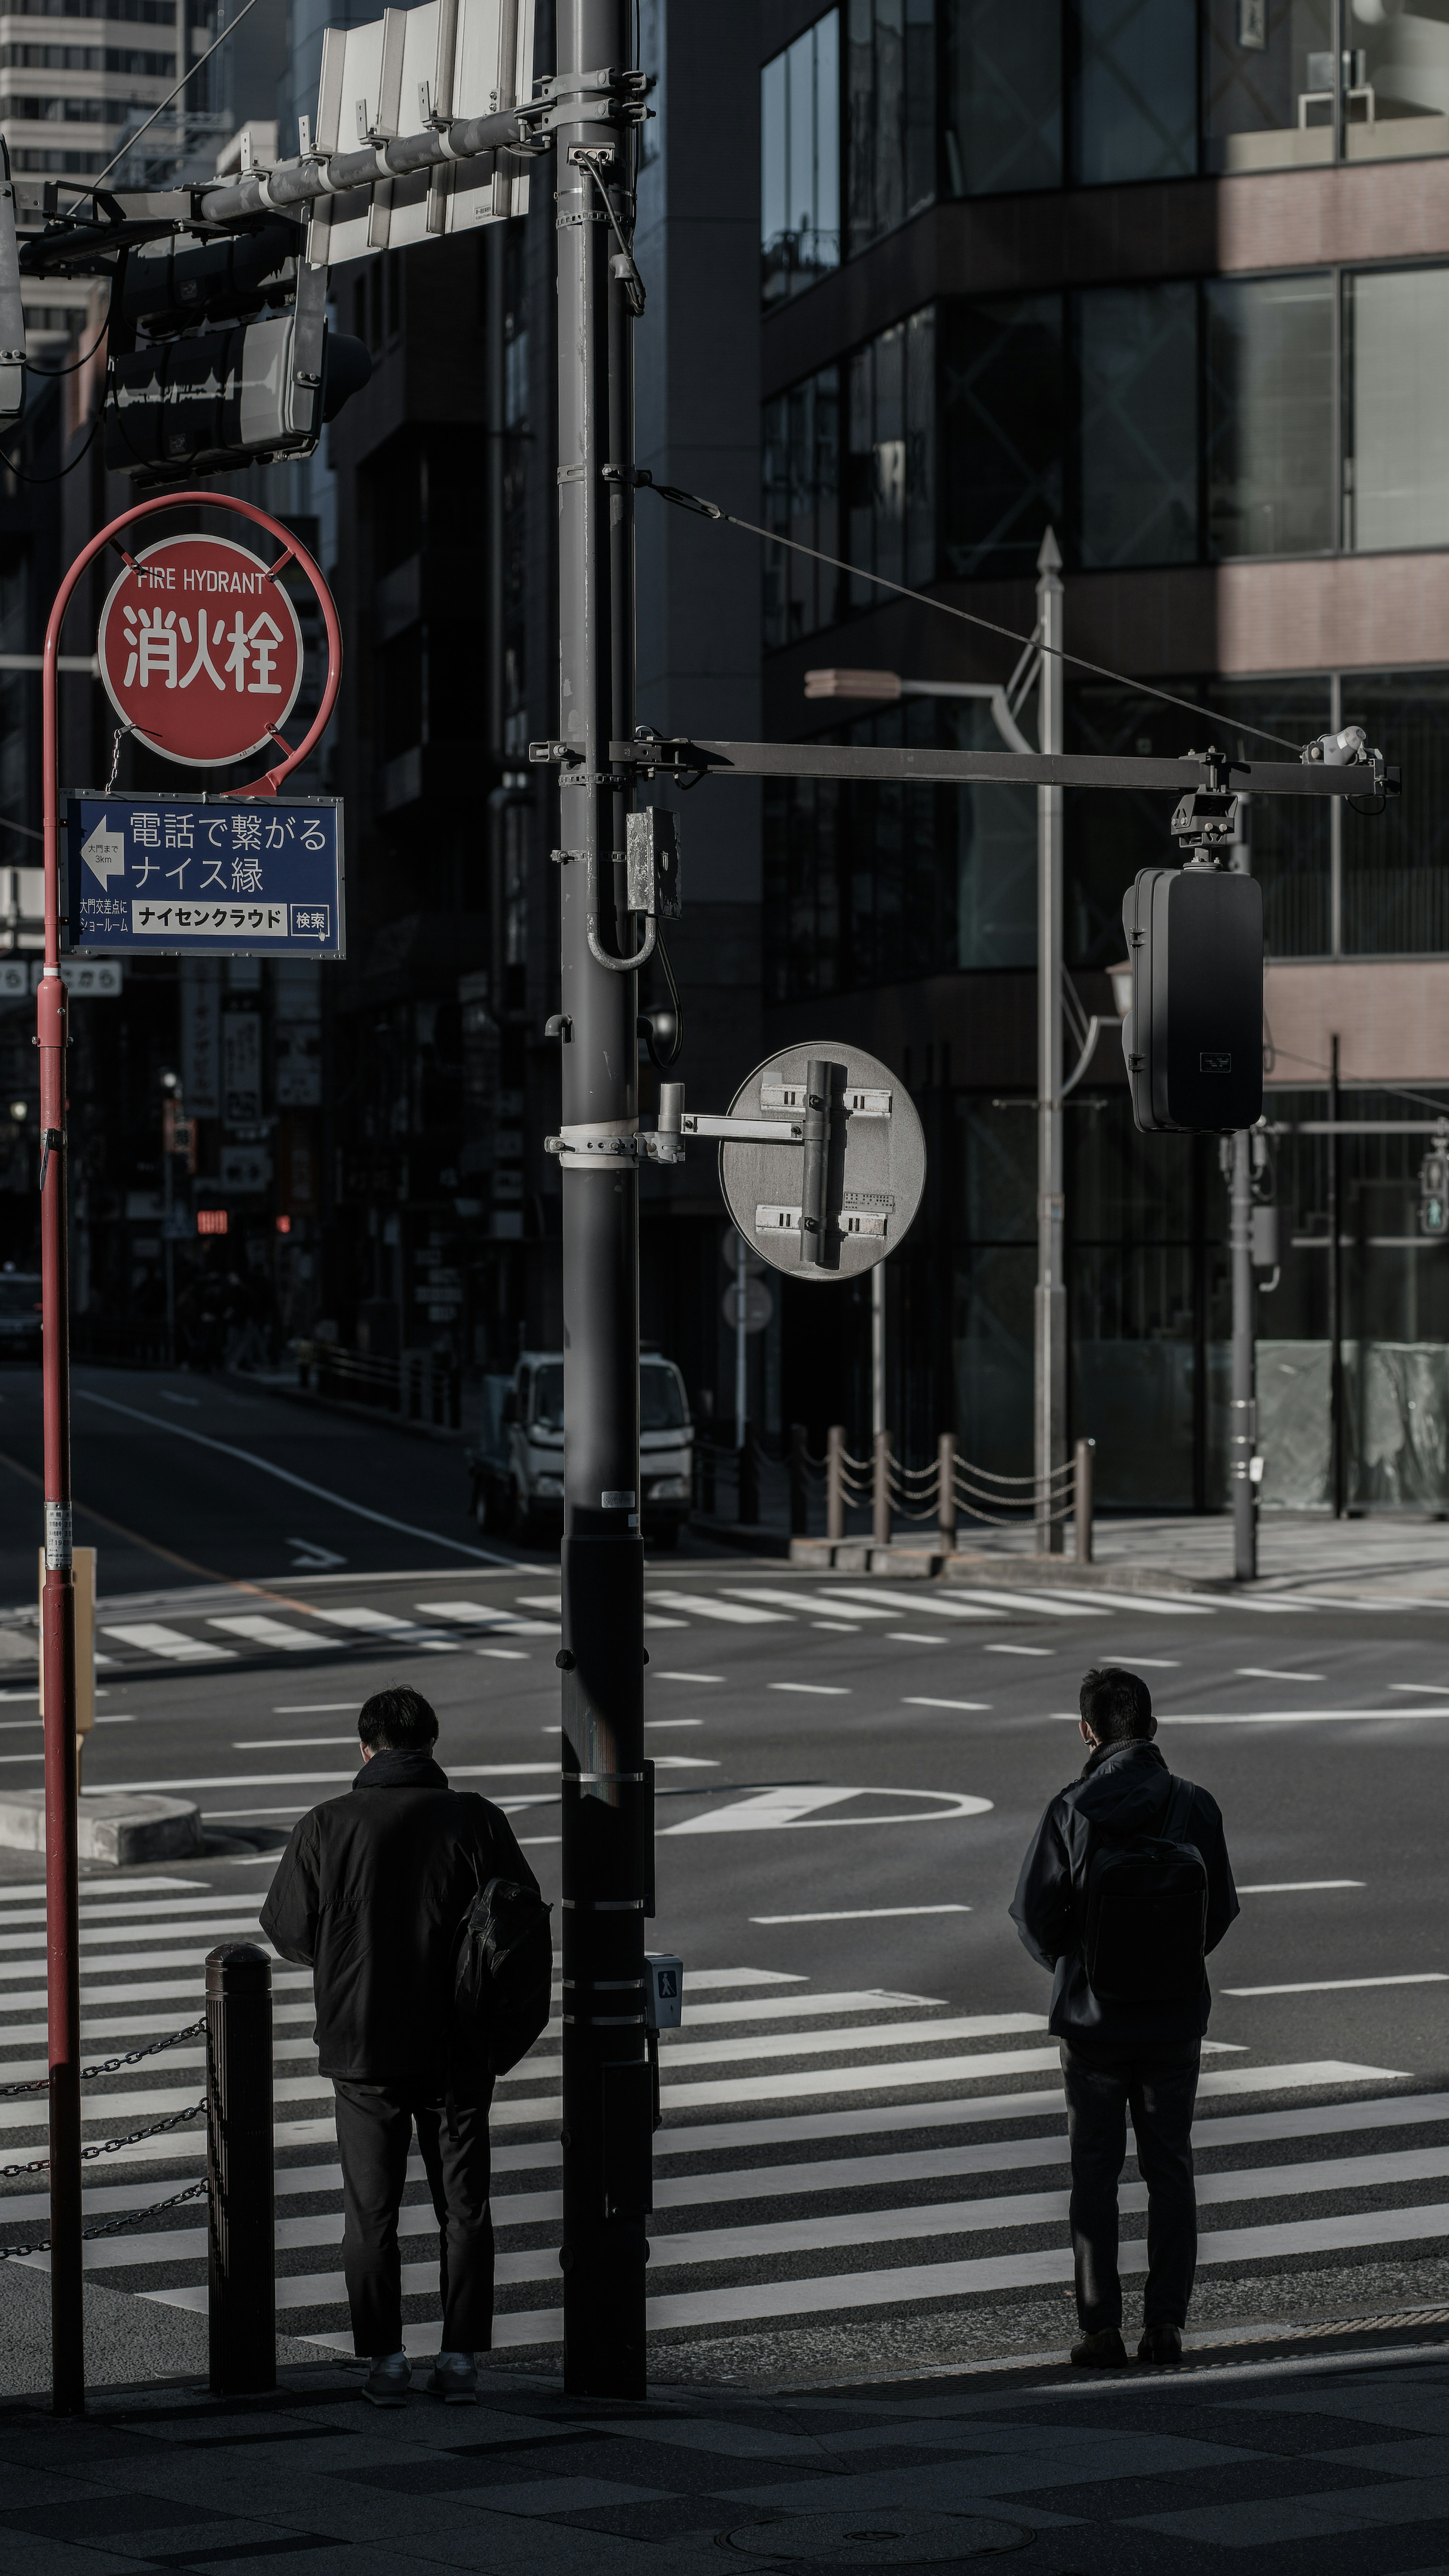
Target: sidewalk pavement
1328, 2455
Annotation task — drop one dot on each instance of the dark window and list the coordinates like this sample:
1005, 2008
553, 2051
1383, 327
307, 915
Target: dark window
1002, 107
1270, 416
800, 161
1137, 425
890, 50
1002, 397
1265, 67
801, 460
1135, 94
890, 468
400, 693
1396, 864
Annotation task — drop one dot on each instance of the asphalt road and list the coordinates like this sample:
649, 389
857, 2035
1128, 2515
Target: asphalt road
862, 2153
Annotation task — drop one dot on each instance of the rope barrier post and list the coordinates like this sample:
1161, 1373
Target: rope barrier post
799, 1482
241, 2236
1082, 1500
881, 1490
946, 1492
835, 1481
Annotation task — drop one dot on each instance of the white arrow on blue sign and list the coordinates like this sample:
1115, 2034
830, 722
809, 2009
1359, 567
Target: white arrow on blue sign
197, 876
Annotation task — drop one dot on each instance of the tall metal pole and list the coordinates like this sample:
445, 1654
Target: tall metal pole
1050, 1444
877, 1352
742, 1384
1335, 1294
57, 1614
607, 2088
1243, 1414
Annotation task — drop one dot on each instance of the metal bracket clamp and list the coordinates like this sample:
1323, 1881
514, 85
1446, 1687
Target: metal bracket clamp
585, 1147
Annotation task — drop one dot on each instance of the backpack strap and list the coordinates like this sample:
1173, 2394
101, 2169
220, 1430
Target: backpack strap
1177, 1810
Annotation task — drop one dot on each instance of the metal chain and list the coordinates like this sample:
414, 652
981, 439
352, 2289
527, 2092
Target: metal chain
111, 2065
112, 2226
108, 2146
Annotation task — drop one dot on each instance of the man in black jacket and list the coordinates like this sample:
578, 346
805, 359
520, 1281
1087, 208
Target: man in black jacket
1116, 2055
369, 1895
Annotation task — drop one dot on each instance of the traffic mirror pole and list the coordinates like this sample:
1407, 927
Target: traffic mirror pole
607, 2084
57, 1620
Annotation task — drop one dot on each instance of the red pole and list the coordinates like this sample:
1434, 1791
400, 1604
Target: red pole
57, 1631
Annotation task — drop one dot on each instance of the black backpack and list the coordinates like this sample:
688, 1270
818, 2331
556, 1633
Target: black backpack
1146, 1911
502, 1976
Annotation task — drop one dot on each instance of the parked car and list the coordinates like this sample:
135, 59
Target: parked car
517, 1469
19, 1313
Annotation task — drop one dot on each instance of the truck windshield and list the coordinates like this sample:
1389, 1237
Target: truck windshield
548, 1396
661, 1402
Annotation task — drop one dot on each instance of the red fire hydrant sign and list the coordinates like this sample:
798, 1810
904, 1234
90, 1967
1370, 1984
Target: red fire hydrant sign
200, 650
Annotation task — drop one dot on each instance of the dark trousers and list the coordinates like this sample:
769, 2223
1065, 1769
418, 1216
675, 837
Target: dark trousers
1160, 2094
375, 2123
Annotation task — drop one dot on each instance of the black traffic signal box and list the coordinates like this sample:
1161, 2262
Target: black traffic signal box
1194, 1037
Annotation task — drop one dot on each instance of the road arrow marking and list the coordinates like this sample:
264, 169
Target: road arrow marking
105, 853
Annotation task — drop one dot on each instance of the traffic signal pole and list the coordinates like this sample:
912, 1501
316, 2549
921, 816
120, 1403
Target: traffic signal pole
1051, 1293
1243, 1411
607, 2086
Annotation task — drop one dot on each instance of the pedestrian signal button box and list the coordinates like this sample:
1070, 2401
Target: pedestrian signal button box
664, 1990
1193, 1038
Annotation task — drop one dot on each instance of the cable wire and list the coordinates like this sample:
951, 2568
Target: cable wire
191, 70
969, 617
81, 452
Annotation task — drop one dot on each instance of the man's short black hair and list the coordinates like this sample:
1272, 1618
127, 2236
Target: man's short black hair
397, 1721
1117, 1705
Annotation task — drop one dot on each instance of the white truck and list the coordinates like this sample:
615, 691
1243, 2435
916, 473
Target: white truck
518, 1480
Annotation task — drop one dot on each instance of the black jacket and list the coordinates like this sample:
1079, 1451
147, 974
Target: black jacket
369, 1895
1124, 1787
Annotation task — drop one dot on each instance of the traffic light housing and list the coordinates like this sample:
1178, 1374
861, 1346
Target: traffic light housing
1434, 1191
1193, 1038
221, 355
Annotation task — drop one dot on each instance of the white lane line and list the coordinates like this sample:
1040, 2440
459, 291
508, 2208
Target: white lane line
134, 1887
177, 1910
1158, 1606
802, 1600
758, 2046
786, 1809
861, 1999
814, 1690
327, 1779
284, 1476
707, 1606
1298, 1886
907, 1637
917, 1601
1042, 1604
205, 1934
1430, 1690
1283, 1716
992, 1649
259, 1630
1344, 1985
861, 1914
686, 1677
1265, 1673
946, 1703
153, 1639
312, 1707
482, 1614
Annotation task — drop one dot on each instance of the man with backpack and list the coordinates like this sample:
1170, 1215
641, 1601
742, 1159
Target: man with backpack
1124, 1890
428, 1943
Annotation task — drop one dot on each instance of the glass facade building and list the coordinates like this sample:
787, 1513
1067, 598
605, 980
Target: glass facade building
1241, 440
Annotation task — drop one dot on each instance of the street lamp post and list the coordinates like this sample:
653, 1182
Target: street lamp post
1050, 1376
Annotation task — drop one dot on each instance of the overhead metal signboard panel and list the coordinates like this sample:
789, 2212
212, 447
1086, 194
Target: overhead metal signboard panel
404, 71
191, 876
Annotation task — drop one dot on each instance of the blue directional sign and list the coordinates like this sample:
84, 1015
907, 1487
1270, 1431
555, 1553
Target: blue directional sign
193, 876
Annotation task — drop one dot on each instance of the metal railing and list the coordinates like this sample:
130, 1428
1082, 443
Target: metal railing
743, 1482
419, 1386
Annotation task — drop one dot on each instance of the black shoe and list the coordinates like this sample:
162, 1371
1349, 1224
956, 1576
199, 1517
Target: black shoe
1161, 2344
1104, 2351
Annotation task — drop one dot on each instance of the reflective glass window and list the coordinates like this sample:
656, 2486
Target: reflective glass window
1396, 461
1002, 98
1268, 83
1396, 864
1270, 415
801, 477
1136, 349
1135, 95
1002, 394
800, 161
890, 466
890, 114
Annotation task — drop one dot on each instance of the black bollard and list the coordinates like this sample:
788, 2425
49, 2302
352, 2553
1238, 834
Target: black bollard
241, 2277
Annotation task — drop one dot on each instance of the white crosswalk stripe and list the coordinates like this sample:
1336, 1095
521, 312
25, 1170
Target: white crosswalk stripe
879, 2115
154, 1638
